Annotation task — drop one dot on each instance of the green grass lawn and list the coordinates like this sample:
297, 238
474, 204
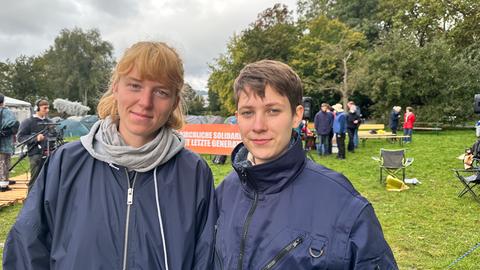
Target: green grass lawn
427, 226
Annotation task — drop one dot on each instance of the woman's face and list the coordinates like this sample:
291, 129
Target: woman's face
144, 107
266, 123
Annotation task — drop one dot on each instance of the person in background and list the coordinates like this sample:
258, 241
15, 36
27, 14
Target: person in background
331, 134
339, 128
33, 132
7, 123
128, 195
323, 125
359, 114
278, 209
394, 119
353, 122
308, 136
408, 122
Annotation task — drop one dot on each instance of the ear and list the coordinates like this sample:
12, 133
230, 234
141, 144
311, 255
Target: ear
115, 89
297, 116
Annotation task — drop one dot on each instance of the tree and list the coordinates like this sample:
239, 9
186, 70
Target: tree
78, 65
5, 87
325, 56
24, 76
271, 36
432, 79
194, 102
359, 15
213, 103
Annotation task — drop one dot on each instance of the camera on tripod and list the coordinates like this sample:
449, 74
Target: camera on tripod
53, 138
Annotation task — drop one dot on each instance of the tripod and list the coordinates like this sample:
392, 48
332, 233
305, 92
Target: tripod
52, 142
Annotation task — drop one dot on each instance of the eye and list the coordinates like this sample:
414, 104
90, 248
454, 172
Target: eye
161, 92
273, 111
246, 113
134, 86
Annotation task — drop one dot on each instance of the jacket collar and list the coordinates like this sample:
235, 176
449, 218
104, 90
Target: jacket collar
273, 176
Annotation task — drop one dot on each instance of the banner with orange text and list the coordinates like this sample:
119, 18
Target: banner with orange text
216, 139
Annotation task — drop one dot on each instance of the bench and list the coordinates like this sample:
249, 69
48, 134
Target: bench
387, 135
421, 126
371, 127
364, 133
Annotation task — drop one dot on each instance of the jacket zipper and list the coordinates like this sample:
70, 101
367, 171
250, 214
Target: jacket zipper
129, 203
245, 231
287, 249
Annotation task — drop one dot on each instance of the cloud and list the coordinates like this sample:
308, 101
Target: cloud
198, 29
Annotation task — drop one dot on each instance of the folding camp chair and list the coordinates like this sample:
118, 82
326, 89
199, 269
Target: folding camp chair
470, 179
392, 162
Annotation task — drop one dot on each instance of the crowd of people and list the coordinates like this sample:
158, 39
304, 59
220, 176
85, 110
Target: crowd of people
129, 195
334, 122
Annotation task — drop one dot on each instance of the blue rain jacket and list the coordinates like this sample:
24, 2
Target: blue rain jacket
75, 217
292, 213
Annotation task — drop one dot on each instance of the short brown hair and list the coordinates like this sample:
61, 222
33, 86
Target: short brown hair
276, 74
42, 102
154, 61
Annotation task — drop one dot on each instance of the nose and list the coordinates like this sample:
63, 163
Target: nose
146, 98
260, 123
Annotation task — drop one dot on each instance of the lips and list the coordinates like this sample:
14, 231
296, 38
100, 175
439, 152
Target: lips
141, 116
260, 141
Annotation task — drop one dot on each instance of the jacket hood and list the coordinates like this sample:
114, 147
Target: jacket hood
273, 176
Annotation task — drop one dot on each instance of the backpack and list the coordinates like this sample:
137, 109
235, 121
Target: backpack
219, 159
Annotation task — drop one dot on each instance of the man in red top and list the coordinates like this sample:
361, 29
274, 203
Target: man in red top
408, 121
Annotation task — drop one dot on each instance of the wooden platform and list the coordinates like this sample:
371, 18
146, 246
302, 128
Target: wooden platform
18, 191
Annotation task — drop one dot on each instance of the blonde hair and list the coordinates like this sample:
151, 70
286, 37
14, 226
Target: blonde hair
155, 61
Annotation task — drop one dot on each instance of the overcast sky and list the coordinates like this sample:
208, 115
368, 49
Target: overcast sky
198, 29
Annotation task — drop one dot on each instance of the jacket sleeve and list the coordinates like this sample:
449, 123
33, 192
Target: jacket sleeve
29, 241
25, 131
367, 246
206, 219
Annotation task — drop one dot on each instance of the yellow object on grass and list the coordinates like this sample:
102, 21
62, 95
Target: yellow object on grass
395, 184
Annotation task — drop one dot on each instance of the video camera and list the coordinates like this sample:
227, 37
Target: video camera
54, 138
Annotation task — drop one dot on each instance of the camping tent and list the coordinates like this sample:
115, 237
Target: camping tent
203, 119
71, 128
21, 109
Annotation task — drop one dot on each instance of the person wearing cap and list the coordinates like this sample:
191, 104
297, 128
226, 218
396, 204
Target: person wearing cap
278, 209
8, 121
339, 128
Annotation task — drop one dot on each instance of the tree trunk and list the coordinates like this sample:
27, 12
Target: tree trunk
344, 88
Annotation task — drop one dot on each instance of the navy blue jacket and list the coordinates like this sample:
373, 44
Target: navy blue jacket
76, 214
323, 122
34, 125
351, 117
292, 213
394, 118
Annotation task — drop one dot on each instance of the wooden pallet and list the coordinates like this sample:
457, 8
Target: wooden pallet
18, 192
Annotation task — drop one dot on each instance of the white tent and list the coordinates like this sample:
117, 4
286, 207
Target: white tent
20, 108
